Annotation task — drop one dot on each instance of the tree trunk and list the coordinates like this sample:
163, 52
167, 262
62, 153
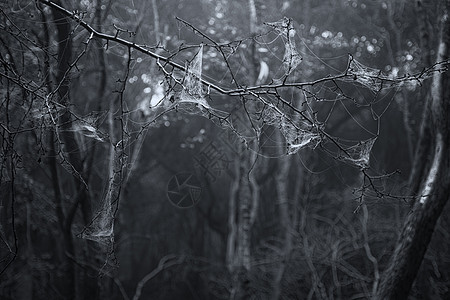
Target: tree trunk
241, 218
423, 147
281, 182
64, 55
72, 160
244, 195
434, 189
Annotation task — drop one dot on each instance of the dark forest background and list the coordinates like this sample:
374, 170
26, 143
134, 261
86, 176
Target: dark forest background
119, 182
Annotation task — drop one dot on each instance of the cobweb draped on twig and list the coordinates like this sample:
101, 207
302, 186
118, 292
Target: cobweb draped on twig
101, 229
87, 126
359, 154
82, 127
291, 57
369, 77
298, 135
375, 80
192, 92
285, 29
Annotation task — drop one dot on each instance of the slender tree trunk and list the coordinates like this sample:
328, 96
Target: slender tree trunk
395, 49
288, 220
241, 219
81, 284
423, 144
244, 196
64, 55
424, 31
67, 283
90, 280
434, 187
281, 182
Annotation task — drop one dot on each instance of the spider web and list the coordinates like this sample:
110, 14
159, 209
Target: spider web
372, 78
298, 130
192, 93
87, 126
101, 228
375, 80
369, 77
285, 29
359, 154
298, 135
291, 57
